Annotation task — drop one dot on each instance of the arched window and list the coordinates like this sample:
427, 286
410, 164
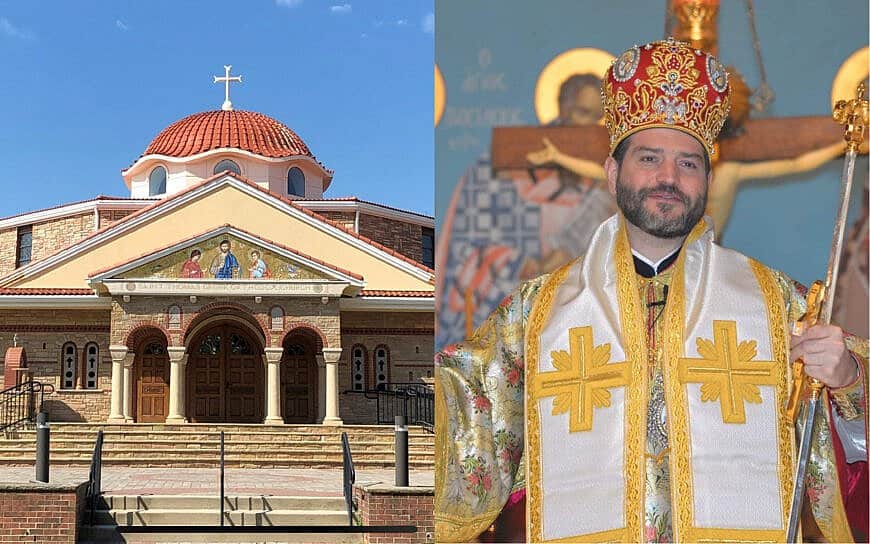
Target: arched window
358, 367
295, 182
277, 315
68, 366
92, 364
382, 366
227, 164
174, 317
157, 181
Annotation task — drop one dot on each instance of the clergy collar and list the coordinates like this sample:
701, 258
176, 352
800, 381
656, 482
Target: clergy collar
647, 269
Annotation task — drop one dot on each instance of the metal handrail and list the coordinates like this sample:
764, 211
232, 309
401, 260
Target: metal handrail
95, 476
349, 477
415, 401
18, 404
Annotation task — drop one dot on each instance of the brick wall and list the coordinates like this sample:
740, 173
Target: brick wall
40, 513
409, 338
346, 219
406, 238
382, 504
107, 217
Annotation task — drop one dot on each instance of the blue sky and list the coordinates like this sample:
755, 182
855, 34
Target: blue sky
85, 86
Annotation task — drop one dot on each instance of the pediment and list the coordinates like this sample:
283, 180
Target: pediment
227, 254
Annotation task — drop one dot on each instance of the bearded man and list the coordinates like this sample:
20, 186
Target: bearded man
638, 394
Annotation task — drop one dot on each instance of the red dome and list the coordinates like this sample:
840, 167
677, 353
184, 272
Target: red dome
245, 130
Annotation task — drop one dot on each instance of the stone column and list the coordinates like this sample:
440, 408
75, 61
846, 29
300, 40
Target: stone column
177, 363
116, 411
331, 357
273, 386
128, 387
321, 388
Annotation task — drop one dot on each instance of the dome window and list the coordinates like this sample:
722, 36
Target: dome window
295, 182
157, 181
227, 164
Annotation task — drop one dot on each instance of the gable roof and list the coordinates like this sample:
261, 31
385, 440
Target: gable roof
181, 198
313, 262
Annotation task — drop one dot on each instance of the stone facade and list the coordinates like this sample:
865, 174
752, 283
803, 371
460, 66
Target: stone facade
49, 237
43, 334
382, 504
8, 248
406, 238
52, 236
408, 339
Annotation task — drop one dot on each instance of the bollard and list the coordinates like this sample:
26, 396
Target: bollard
42, 445
401, 452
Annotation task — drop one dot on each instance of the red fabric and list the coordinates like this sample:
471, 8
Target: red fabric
510, 525
853, 486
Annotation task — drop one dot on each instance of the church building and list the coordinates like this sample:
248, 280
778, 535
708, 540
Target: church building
226, 287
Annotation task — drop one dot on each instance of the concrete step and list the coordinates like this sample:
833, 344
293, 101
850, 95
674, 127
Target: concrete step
108, 534
200, 462
231, 502
208, 516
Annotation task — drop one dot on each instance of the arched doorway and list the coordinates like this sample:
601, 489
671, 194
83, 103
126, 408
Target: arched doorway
224, 376
151, 393
299, 379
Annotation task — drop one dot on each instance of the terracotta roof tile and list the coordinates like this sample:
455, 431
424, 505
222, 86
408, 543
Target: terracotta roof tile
412, 294
11, 291
247, 130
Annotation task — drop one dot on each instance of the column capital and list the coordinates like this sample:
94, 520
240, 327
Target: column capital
128, 359
273, 355
177, 354
118, 353
318, 358
331, 355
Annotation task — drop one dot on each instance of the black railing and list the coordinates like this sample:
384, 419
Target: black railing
20, 403
349, 477
415, 401
95, 476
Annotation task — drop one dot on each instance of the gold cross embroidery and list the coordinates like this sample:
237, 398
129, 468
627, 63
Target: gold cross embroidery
727, 371
581, 380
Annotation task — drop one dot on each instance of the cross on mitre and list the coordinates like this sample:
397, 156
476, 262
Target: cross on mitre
226, 79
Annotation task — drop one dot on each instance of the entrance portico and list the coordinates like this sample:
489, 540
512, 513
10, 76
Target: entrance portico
222, 374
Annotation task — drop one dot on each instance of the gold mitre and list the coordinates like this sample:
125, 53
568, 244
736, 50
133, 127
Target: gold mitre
666, 84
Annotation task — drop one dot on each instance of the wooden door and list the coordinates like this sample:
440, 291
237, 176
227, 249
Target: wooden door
244, 381
225, 377
152, 383
299, 381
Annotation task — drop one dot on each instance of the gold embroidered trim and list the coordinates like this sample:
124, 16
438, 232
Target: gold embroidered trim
538, 317
734, 535
613, 535
633, 323
678, 438
776, 324
681, 470
581, 380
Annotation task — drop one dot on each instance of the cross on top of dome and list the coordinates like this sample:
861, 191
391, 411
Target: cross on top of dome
226, 79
